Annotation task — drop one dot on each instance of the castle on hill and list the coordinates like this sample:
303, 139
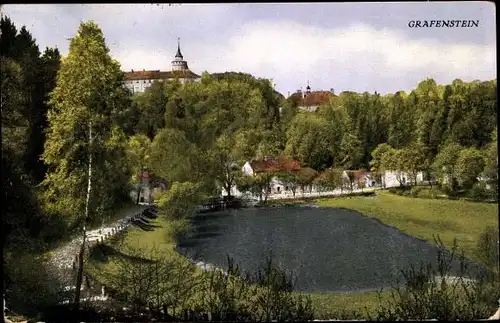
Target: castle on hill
139, 81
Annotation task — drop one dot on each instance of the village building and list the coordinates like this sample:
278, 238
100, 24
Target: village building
392, 178
310, 100
139, 81
268, 165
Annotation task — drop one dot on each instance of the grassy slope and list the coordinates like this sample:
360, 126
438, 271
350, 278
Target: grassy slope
423, 218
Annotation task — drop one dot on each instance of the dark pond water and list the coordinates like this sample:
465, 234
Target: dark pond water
328, 249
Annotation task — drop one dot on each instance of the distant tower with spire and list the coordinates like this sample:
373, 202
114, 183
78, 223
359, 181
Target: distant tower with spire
179, 64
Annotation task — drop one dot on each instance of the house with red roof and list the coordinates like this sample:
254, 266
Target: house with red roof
272, 166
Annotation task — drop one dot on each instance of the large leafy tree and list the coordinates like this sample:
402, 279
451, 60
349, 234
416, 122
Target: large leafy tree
88, 89
376, 164
414, 160
82, 145
330, 179
444, 165
308, 141
173, 157
226, 160
151, 107
470, 164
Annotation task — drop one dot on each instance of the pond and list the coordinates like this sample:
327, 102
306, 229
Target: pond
328, 249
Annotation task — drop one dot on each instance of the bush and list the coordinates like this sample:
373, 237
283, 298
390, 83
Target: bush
175, 286
478, 192
487, 249
426, 293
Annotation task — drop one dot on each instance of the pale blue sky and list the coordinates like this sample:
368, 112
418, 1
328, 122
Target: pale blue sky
345, 46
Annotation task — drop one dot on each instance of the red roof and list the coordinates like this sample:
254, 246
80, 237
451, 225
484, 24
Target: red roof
314, 98
159, 75
274, 165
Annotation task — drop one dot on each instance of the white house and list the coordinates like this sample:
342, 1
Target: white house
276, 186
397, 178
139, 81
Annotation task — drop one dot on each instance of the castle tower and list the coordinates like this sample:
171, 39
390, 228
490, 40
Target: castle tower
179, 64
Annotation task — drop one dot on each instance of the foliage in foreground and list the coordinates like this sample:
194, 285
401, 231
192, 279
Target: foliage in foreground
173, 286
430, 293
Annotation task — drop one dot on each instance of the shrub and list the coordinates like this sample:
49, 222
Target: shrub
478, 192
487, 249
426, 293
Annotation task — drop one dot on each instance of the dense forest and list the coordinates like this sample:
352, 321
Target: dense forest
61, 114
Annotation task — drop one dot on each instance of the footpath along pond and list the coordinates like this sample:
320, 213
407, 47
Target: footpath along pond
328, 249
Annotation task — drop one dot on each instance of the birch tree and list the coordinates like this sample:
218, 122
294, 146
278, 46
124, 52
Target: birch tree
78, 150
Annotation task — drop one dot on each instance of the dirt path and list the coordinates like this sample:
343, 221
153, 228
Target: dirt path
64, 256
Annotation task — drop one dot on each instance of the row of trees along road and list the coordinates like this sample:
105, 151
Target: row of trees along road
202, 132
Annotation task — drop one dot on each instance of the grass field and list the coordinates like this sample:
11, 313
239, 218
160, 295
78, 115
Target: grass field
424, 218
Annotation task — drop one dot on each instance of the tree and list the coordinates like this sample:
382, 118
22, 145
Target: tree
7, 38
305, 177
428, 110
290, 179
226, 158
138, 151
180, 200
151, 106
491, 164
377, 167
174, 158
14, 121
392, 160
46, 81
269, 116
470, 164
257, 184
400, 119
89, 84
308, 142
330, 179
445, 163
413, 160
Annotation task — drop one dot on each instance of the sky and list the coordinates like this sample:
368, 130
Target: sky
345, 46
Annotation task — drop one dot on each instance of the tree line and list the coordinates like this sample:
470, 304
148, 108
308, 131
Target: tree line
62, 116
202, 132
